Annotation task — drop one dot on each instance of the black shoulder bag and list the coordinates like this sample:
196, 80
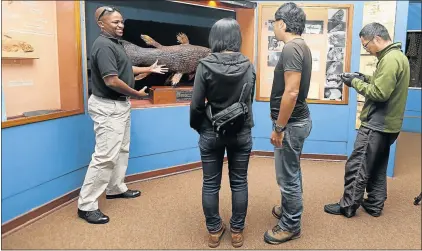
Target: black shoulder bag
230, 120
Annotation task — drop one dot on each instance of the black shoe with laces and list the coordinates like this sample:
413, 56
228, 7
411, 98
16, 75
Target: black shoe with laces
94, 217
129, 194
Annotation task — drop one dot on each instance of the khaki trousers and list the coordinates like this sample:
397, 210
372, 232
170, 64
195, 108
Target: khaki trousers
107, 169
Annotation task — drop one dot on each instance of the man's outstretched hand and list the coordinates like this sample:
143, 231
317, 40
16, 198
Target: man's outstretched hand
156, 68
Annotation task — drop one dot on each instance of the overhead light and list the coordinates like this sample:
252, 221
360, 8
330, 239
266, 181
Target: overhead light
212, 3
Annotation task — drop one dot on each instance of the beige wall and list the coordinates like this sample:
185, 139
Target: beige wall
31, 84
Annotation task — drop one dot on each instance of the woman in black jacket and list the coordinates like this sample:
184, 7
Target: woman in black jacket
219, 79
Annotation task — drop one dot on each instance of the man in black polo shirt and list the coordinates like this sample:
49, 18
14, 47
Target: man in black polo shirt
109, 107
291, 120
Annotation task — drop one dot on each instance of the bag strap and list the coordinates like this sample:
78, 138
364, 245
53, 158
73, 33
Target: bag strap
242, 96
209, 111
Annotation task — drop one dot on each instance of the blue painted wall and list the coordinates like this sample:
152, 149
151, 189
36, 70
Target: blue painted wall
46, 160
414, 17
43, 161
412, 116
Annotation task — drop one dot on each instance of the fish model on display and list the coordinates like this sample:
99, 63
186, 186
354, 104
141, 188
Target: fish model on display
179, 59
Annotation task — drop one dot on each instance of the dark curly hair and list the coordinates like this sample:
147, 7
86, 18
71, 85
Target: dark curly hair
293, 16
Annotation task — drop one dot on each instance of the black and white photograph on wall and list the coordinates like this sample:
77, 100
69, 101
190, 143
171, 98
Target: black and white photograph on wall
274, 45
269, 25
334, 68
336, 15
333, 93
334, 81
273, 57
314, 27
336, 20
333, 88
334, 27
335, 54
337, 39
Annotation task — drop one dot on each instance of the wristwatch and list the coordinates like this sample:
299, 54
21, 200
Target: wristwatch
278, 128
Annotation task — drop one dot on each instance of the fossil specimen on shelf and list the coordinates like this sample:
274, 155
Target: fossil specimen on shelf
12, 45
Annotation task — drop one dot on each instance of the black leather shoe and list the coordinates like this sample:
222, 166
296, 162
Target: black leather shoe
370, 211
93, 217
126, 195
337, 210
333, 209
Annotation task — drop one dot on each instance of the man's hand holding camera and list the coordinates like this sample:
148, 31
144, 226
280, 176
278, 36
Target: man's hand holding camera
347, 77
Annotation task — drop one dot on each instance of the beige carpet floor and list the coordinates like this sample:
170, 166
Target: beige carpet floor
169, 215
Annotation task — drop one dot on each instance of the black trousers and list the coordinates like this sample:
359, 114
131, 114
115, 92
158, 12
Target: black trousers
366, 169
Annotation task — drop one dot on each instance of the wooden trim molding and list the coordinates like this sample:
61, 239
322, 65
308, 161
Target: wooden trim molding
46, 209
40, 118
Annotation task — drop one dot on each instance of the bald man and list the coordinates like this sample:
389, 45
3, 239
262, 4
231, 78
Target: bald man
109, 107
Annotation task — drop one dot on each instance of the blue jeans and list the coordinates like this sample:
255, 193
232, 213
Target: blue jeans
289, 175
212, 150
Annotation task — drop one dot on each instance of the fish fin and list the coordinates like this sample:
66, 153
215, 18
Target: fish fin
149, 41
176, 78
182, 38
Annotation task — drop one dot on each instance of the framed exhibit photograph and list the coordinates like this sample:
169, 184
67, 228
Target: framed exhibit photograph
328, 31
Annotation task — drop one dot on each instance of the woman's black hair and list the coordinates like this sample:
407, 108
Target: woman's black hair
225, 36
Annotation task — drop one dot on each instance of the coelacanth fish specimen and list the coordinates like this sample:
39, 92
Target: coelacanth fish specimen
179, 59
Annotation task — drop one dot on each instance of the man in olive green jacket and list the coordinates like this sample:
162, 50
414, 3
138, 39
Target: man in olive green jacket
382, 116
